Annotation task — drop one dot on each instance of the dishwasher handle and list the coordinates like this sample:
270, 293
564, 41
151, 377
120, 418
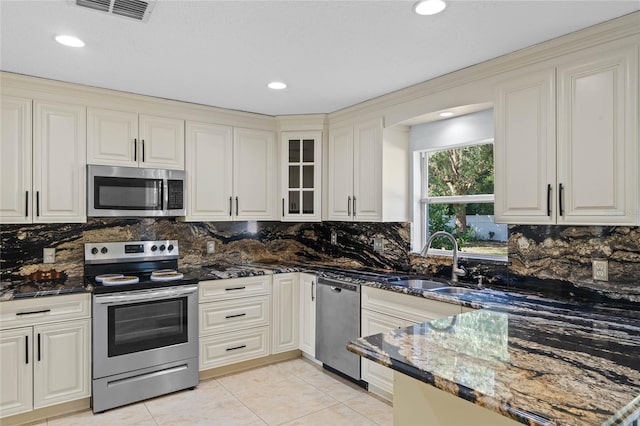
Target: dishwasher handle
337, 286
335, 289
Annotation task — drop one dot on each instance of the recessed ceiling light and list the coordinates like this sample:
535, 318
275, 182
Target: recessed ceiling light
277, 85
446, 114
70, 41
429, 7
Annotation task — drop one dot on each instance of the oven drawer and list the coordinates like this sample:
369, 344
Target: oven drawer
234, 314
40, 310
229, 348
211, 291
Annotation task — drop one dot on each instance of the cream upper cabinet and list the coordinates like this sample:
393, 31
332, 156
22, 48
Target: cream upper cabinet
367, 173
231, 173
209, 169
59, 165
307, 306
301, 166
589, 174
119, 138
285, 312
15, 160
254, 175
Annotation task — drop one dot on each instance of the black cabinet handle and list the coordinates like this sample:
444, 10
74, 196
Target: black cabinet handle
37, 203
235, 288
349, 206
135, 149
354, 206
560, 191
39, 347
235, 316
549, 200
26, 349
26, 204
237, 347
143, 150
237, 210
313, 289
33, 312
230, 206
283, 207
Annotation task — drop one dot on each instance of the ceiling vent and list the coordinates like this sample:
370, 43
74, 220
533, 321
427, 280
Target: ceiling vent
140, 10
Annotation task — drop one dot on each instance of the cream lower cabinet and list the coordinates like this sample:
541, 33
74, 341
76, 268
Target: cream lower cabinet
235, 319
566, 140
285, 312
384, 311
307, 325
48, 360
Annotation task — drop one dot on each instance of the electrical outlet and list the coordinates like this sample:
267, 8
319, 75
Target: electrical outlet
600, 268
211, 247
378, 245
49, 255
334, 238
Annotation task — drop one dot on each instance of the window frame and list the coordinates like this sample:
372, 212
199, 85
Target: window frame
425, 201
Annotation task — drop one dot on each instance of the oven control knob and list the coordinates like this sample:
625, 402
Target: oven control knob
104, 250
154, 247
170, 247
94, 250
162, 247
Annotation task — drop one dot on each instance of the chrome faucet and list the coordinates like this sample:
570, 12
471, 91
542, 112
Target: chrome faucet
455, 270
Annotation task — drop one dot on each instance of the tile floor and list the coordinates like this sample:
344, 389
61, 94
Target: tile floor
295, 392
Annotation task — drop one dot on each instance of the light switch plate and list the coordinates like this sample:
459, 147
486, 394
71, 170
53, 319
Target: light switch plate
211, 247
49, 255
600, 269
334, 237
378, 245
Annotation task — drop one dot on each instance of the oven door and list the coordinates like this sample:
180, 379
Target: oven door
139, 329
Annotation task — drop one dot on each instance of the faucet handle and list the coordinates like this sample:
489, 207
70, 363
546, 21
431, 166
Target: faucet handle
460, 271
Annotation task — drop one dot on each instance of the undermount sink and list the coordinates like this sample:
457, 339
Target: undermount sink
423, 284
452, 290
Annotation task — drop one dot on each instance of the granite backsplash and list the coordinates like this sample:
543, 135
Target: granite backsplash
547, 258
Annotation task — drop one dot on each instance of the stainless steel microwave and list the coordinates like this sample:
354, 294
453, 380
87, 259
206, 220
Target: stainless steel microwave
132, 191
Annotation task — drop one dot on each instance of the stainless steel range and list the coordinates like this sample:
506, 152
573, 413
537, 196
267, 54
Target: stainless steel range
145, 322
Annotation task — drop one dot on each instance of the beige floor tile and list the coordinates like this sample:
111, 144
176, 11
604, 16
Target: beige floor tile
337, 415
336, 387
135, 414
255, 378
372, 408
285, 400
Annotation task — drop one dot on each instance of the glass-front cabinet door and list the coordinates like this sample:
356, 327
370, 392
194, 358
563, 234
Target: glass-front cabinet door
301, 176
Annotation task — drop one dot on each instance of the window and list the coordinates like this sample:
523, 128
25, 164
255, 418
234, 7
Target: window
457, 197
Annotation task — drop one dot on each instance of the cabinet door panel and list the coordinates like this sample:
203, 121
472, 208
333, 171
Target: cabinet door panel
209, 171
254, 175
301, 166
111, 137
340, 170
59, 162
162, 142
62, 369
16, 371
597, 145
525, 149
307, 337
367, 171
285, 319
15, 161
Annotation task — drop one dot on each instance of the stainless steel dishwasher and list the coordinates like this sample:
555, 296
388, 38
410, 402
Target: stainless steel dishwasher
337, 323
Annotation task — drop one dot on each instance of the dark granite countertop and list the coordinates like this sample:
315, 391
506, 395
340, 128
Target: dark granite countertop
538, 360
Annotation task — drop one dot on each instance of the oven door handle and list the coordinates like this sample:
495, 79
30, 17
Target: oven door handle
146, 296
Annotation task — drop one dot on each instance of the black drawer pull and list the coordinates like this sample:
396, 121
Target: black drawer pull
26, 349
33, 312
237, 347
39, 347
235, 316
235, 288
135, 149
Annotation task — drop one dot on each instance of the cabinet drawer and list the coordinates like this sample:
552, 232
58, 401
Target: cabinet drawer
412, 308
211, 291
41, 310
234, 314
229, 348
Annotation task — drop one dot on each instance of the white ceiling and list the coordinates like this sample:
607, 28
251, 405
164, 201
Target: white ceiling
332, 54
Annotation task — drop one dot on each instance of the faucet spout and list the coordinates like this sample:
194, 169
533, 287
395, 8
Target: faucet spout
455, 270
